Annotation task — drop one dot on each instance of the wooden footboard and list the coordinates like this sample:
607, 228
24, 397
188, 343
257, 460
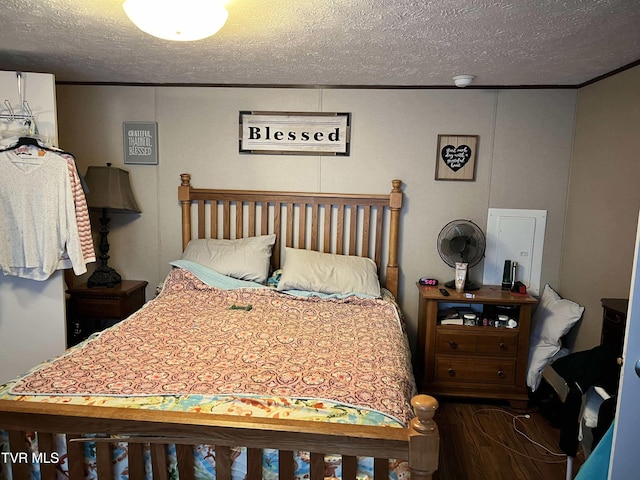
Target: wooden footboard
419, 443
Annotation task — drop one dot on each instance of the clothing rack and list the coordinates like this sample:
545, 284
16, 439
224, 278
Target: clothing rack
9, 115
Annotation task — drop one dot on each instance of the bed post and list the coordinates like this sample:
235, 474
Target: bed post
395, 203
424, 439
184, 195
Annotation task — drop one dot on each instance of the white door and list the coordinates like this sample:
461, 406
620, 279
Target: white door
625, 461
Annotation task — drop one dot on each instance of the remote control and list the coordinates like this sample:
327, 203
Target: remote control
444, 292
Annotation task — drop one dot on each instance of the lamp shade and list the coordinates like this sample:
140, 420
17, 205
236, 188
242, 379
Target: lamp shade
110, 189
181, 20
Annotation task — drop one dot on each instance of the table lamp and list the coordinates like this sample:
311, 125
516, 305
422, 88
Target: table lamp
109, 192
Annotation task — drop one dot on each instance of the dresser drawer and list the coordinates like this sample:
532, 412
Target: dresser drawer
483, 341
480, 370
503, 343
614, 322
457, 341
613, 326
107, 308
614, 318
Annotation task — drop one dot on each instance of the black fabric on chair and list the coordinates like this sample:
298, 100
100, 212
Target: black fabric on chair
597, 366
582, 370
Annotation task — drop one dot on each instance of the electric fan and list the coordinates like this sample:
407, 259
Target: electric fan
461, 241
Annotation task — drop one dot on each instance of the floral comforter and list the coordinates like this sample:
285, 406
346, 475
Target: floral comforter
245, 352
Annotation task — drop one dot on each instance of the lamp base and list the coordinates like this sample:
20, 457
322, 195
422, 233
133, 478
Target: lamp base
104, 276
469, 285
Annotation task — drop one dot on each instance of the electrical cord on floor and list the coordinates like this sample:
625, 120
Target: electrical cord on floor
515, 419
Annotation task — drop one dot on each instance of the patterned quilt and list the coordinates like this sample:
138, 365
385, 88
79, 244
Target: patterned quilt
244, 351
196, 340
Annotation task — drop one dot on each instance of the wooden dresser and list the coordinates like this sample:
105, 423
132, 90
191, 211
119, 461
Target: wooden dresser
474, 361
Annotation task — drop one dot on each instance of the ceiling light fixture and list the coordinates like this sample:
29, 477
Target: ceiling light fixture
181, 20
463, 80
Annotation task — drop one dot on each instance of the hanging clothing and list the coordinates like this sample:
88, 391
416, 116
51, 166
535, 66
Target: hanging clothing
82, 213
79, 188
37, 215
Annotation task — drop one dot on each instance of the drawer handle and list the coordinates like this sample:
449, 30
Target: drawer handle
452, 372
500, 374
453, 344
503, 346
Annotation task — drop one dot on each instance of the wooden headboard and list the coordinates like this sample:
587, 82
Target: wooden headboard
348, 224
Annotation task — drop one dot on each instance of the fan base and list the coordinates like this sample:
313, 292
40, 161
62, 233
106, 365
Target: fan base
469, 285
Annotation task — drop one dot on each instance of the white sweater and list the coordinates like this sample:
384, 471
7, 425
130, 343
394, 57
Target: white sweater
37, 216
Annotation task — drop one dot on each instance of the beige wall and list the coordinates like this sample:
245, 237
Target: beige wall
604, 198
523, 160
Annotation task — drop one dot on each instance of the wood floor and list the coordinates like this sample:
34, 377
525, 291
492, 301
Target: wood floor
479, 442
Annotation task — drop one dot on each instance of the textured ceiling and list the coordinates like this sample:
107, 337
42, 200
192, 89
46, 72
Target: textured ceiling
331, 42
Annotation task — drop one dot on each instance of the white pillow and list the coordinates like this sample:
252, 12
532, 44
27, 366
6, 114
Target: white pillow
553, 319
245, 258
328, 273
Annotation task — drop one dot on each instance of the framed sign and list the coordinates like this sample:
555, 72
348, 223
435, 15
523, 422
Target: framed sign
140, 142
456, 157
295, 133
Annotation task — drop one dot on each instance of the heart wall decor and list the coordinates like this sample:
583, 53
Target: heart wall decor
456, 157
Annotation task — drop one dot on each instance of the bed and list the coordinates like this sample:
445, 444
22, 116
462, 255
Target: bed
348, 435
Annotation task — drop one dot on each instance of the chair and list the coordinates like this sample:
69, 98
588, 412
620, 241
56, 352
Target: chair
581, 380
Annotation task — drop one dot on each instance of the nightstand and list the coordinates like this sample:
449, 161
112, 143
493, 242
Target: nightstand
94, 309
474, 361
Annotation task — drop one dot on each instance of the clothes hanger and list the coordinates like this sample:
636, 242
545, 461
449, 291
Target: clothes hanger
33, 141
25, 141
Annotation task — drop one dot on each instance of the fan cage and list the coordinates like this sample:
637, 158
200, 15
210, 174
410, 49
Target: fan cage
452, 230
